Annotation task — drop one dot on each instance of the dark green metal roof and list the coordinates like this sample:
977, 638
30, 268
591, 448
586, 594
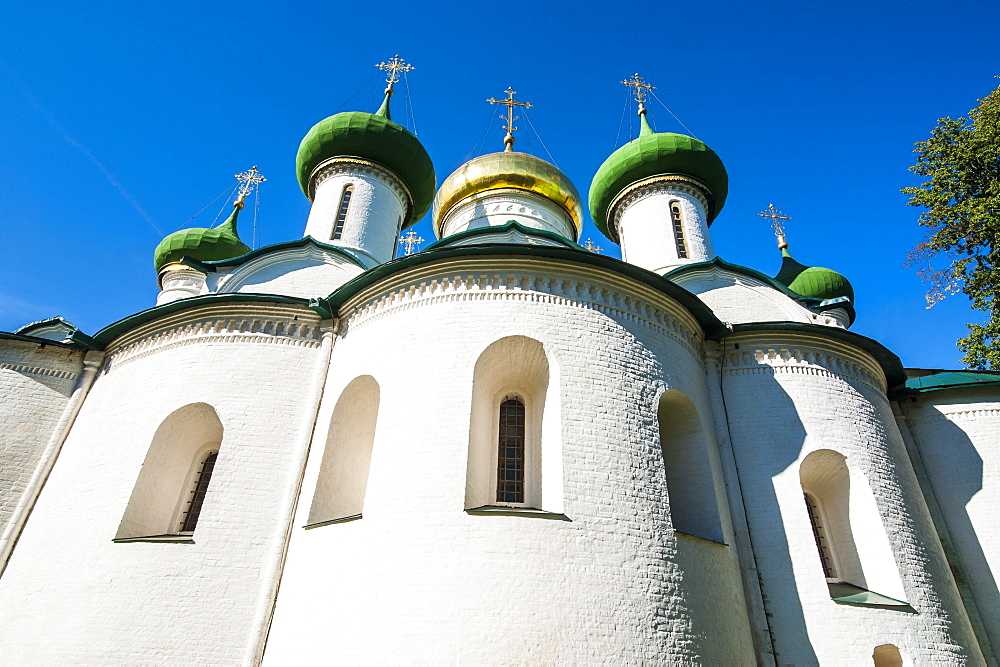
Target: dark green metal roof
951, 379
275, 247
201, 244
370, 137
656, 155
812, 281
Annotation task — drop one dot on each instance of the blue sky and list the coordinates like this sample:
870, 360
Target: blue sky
119, 121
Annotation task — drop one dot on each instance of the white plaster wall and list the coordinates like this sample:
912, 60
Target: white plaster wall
786, 397
71, 595
35, 384
646, 230
378, 207
305, 272
418, 580
738, 298
494, 208
956, 433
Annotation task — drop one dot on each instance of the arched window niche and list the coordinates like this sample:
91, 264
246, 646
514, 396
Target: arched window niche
343, 472
887, 655
173, 478
852, 546
694, 505
515, 440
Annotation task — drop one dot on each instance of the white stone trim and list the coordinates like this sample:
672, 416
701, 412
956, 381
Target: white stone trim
801, 360
536, 284
39, 370
351, 165
655, 185
277, 327
960, 415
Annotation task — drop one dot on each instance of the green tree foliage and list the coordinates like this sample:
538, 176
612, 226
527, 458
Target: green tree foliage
961, 195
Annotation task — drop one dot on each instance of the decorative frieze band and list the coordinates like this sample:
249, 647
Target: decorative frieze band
39, 370
528, 287
669, 184
961, 415
350, 166
259, 330
801, 361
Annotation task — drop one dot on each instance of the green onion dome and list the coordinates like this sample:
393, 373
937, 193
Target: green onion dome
812, 281
656, 154
204, 245
372, 137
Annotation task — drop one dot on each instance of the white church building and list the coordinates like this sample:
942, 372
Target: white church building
664, 459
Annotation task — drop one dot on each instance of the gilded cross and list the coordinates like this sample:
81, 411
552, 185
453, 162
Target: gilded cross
777, 222
410, 242
640, 87
249, 180
510, 117
393, 68
589, 245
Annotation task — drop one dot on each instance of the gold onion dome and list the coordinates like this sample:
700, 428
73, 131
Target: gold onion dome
509, 169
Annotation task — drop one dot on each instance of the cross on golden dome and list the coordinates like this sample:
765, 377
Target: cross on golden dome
510, 117
249, 180
640, 87
393, 68
777, 222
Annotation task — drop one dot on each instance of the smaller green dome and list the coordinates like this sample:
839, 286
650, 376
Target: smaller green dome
371, 137
813, 281
205, 245
653, 154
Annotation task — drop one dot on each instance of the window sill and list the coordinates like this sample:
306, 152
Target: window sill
330, 522
506, 510
699, 537
849, 594
174, 538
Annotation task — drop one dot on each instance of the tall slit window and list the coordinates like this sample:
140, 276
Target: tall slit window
200, 488
345, 205
819, 534
510, 459
678, 224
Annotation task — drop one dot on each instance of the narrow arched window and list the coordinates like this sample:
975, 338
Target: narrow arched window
510, 458
198, 490
678, 225
345, 205
819, 534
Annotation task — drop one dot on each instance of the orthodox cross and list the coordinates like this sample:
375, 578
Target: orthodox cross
777, 222
589, 245
410, 242
392, 70
640, 87
510, 117
249, 180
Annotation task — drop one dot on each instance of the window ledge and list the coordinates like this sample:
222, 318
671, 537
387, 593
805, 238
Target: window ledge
699, 537
505, 510
849, 594
330, 522
175, 538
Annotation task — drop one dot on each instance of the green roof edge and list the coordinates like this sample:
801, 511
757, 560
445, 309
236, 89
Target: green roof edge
116, 329
812, 303
214, 265
712, 326
510, 224
895, 377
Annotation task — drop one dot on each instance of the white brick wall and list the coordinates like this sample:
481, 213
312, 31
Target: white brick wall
419, 580
788, 395
956, 433
35, 384
70, 595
